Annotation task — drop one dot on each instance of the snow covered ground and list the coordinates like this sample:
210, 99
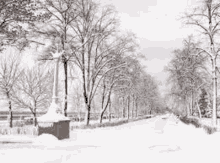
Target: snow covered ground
157, 139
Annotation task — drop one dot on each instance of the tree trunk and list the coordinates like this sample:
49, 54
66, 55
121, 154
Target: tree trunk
214, 111
128, 105
109, 111
10, 111
187, 108
35, 114
192, 101
79, 115
35, 119
85, 91
151, 110
146, 108
136, 108
104, 109
66, 87
87, 115
123, 107
101, 117
198, 109
10, 114
117, 108
133, 107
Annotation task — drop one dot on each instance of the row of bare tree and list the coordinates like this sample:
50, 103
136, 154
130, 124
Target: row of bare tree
103, 60
194, 68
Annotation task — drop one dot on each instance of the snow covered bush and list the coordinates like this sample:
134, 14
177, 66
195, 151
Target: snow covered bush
194, 121
18, 123
198, 124
209, 129
25, 130
4, 131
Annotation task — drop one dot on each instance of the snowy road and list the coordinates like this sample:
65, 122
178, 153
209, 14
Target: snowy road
151, 140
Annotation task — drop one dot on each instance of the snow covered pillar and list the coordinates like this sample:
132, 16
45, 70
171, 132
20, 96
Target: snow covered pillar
55, 84
53, 122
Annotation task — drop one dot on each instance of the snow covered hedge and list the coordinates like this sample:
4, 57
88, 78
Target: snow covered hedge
25, 130
115, 122
191, 120
32, 130
198, 124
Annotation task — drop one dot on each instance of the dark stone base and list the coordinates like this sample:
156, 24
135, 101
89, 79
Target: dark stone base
58, 129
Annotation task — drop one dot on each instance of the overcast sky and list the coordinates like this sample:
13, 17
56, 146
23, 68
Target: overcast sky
155, 24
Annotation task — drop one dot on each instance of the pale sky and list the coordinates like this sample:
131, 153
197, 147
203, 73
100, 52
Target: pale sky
157, 28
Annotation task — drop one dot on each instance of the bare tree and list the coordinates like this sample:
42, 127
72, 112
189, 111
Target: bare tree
187, 74
33, 90
76, 95
109, 83
206, 18
10, 70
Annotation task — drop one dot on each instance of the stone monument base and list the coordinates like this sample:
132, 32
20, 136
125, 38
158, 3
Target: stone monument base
59, 129
54, 123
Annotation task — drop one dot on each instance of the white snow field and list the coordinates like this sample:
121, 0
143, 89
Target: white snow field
152, 140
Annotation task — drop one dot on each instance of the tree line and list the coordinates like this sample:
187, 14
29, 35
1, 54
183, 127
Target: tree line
193, 70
